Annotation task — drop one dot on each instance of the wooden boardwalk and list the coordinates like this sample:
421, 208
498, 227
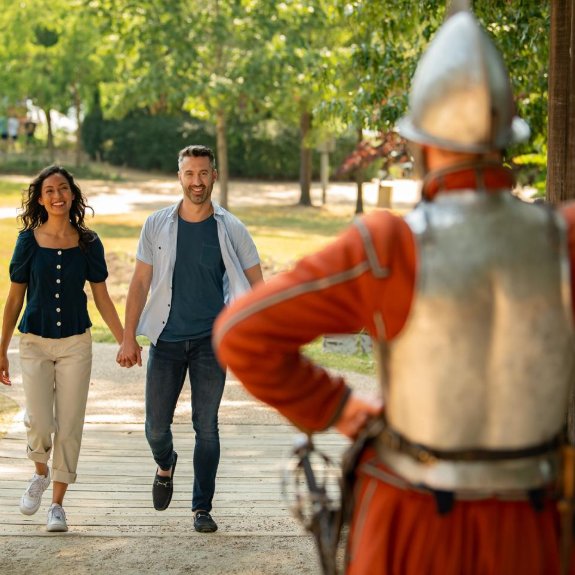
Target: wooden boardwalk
113, 525
112, 496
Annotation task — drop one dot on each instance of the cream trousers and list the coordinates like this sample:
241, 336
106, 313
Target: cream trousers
56, 379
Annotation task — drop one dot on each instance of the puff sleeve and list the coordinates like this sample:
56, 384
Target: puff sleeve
97, 270
21, 262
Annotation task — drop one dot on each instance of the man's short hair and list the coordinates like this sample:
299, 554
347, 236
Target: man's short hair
196, 151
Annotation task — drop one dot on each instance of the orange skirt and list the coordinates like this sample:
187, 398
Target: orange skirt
399, 532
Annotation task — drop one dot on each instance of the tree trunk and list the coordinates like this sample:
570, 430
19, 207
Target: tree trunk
305, 160
561, 123
50, 137
359, 199
78, 106
222, 159
359, 180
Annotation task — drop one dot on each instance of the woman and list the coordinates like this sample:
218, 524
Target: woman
55, 254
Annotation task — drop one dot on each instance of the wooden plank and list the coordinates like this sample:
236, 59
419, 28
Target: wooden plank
112, 496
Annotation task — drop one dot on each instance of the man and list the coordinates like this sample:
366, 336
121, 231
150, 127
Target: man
194, 256
468, 302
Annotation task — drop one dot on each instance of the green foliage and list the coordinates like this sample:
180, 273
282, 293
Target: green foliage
151, 142
53, 53
10, 194
521, 31
249, 64
531, 170
388, 39
384, 47
29, 166
270, 149
267, 149
93, 129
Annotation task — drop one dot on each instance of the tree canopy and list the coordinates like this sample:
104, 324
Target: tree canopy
328, 66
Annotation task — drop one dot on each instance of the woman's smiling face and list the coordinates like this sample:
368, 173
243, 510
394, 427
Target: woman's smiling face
56, 195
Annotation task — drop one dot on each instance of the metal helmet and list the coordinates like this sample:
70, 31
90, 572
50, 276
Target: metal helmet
461, 97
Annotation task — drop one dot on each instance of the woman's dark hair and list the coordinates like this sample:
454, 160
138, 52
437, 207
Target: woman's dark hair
33, 214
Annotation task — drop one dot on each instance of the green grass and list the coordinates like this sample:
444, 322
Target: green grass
28, 166
8, 233
359, 363
283, 235
10, 194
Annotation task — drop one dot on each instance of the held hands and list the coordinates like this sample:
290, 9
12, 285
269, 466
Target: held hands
356, 412
130, 353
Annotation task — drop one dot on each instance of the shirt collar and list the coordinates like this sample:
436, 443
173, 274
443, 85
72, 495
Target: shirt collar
481, 176
218, 210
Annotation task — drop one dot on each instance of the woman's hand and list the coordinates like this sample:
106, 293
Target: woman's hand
5, 370
130, 353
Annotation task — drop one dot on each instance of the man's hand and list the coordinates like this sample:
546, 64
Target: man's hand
130, 353
356, 412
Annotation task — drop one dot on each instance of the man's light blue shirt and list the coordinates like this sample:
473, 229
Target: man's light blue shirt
157, 247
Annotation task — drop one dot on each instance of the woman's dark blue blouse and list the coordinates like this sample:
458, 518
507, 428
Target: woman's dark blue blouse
56, 304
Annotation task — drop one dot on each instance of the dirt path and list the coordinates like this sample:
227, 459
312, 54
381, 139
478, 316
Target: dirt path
137, 190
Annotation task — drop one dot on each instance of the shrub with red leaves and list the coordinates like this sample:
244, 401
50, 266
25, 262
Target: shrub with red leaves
389, 145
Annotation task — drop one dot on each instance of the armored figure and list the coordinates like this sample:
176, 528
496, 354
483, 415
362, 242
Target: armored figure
469, 302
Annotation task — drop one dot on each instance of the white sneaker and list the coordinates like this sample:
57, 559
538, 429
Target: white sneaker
30, 501
56, 518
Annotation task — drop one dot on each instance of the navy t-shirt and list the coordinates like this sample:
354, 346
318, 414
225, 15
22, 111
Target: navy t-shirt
56, 304
198, 282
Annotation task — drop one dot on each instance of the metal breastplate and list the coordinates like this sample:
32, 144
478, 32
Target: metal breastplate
485, 358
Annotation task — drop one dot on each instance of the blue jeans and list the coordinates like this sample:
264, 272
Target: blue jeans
167, 366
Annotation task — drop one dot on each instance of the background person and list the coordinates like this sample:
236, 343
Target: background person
468, 300
55, 255
194, 256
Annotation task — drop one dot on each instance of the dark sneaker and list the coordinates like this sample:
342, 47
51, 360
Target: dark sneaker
203, 522
163, 488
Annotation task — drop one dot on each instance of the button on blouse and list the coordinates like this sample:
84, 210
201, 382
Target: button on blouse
56, 302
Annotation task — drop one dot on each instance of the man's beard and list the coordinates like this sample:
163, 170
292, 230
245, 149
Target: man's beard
199, 199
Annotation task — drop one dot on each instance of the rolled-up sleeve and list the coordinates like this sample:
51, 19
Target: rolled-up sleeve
144, 252
245, 247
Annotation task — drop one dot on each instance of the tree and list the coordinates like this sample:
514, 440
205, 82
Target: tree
388, 39
305, 40
521, 30
388, 147
371, 83
561, 150
51, 54
199, 57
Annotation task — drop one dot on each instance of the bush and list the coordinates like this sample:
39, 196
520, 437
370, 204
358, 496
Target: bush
264, 150
151, 142
531, 170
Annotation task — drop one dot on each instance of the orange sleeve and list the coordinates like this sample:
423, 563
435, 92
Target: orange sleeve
568, 211
340, 289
